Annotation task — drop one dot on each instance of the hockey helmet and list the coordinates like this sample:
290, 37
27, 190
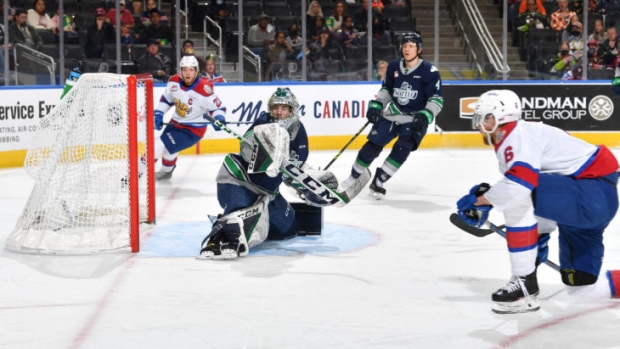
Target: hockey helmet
503, 105
284, 96
411, 37
189, 61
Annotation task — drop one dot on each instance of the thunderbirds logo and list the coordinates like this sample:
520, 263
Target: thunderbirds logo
600, 108
404, 94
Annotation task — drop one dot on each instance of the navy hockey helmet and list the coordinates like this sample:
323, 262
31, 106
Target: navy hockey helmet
411, 37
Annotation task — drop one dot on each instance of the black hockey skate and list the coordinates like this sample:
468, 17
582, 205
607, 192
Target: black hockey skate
520, 295
377, 191
223, 246
162, 175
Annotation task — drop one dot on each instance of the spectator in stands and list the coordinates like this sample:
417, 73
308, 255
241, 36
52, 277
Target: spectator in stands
575, 38
314, 10
594, 56
261, 35
210, 72
609, 49
560, 19
525, 7
157, 30
360, 18
380, 71
380, 36
98, 34
136, 7
279, 51
68, 23
531, 18
563, 62
334, 22
314, 30
294, 39
325, 48
599, 35
2, 48
155, 63
145, 17
11, 12
347, 34
378, 5
188, 49
22, 33
127, 37
218, 11
125, 15
38, 19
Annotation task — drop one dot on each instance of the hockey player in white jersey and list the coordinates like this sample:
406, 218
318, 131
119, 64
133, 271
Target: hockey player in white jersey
551, 179
192, 97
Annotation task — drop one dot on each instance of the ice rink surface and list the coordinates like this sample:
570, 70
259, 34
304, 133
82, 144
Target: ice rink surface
385, 274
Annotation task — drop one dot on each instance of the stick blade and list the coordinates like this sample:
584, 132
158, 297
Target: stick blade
461, 224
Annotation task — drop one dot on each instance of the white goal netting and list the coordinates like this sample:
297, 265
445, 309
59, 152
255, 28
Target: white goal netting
79, 160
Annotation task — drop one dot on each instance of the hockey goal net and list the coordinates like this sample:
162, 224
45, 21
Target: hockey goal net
93, 185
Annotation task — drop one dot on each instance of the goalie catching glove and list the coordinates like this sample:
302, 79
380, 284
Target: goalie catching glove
474, 215
265, 148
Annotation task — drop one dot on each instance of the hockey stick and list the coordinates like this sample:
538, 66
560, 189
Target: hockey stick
461, 224
332, 196
347, 145
211, 123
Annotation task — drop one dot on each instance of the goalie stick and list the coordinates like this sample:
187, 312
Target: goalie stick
332, 196
461, 224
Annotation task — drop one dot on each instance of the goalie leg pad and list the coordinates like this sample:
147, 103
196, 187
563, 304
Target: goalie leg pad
234, 234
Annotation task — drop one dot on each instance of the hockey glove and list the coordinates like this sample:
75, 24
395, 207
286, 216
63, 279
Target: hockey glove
423, 113
159, 119
615, 85
467, 210
375, 110
221, 119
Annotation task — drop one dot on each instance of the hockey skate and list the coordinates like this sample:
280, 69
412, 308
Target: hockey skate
225, 242
520, 295
377, 191
162, 175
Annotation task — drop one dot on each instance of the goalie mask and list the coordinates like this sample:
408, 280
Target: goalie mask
502, 105
284, 97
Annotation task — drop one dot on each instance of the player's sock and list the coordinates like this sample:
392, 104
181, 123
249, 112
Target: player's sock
520, 295
614, 282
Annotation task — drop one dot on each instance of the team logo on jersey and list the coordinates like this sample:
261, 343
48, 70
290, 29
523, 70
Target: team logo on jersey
208, 89
601, 107
174, 88
404, 94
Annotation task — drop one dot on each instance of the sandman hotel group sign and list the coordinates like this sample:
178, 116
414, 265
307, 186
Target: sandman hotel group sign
570, 107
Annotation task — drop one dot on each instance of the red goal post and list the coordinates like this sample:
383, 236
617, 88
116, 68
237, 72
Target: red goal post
92, 162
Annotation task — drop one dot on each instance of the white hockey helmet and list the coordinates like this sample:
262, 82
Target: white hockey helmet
503, 105
189, 61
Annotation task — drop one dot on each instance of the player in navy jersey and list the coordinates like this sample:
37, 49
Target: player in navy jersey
248, 192
550, 180
408, 101
192, 97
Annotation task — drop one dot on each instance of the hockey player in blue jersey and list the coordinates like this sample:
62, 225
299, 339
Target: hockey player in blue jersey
248, 183
409, 99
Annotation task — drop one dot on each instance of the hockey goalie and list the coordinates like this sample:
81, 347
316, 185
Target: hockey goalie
248, 183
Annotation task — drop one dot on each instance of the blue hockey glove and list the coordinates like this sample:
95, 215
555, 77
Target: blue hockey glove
375, 111
424, 113
159, 119
221, 119
474, 215
615, 85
